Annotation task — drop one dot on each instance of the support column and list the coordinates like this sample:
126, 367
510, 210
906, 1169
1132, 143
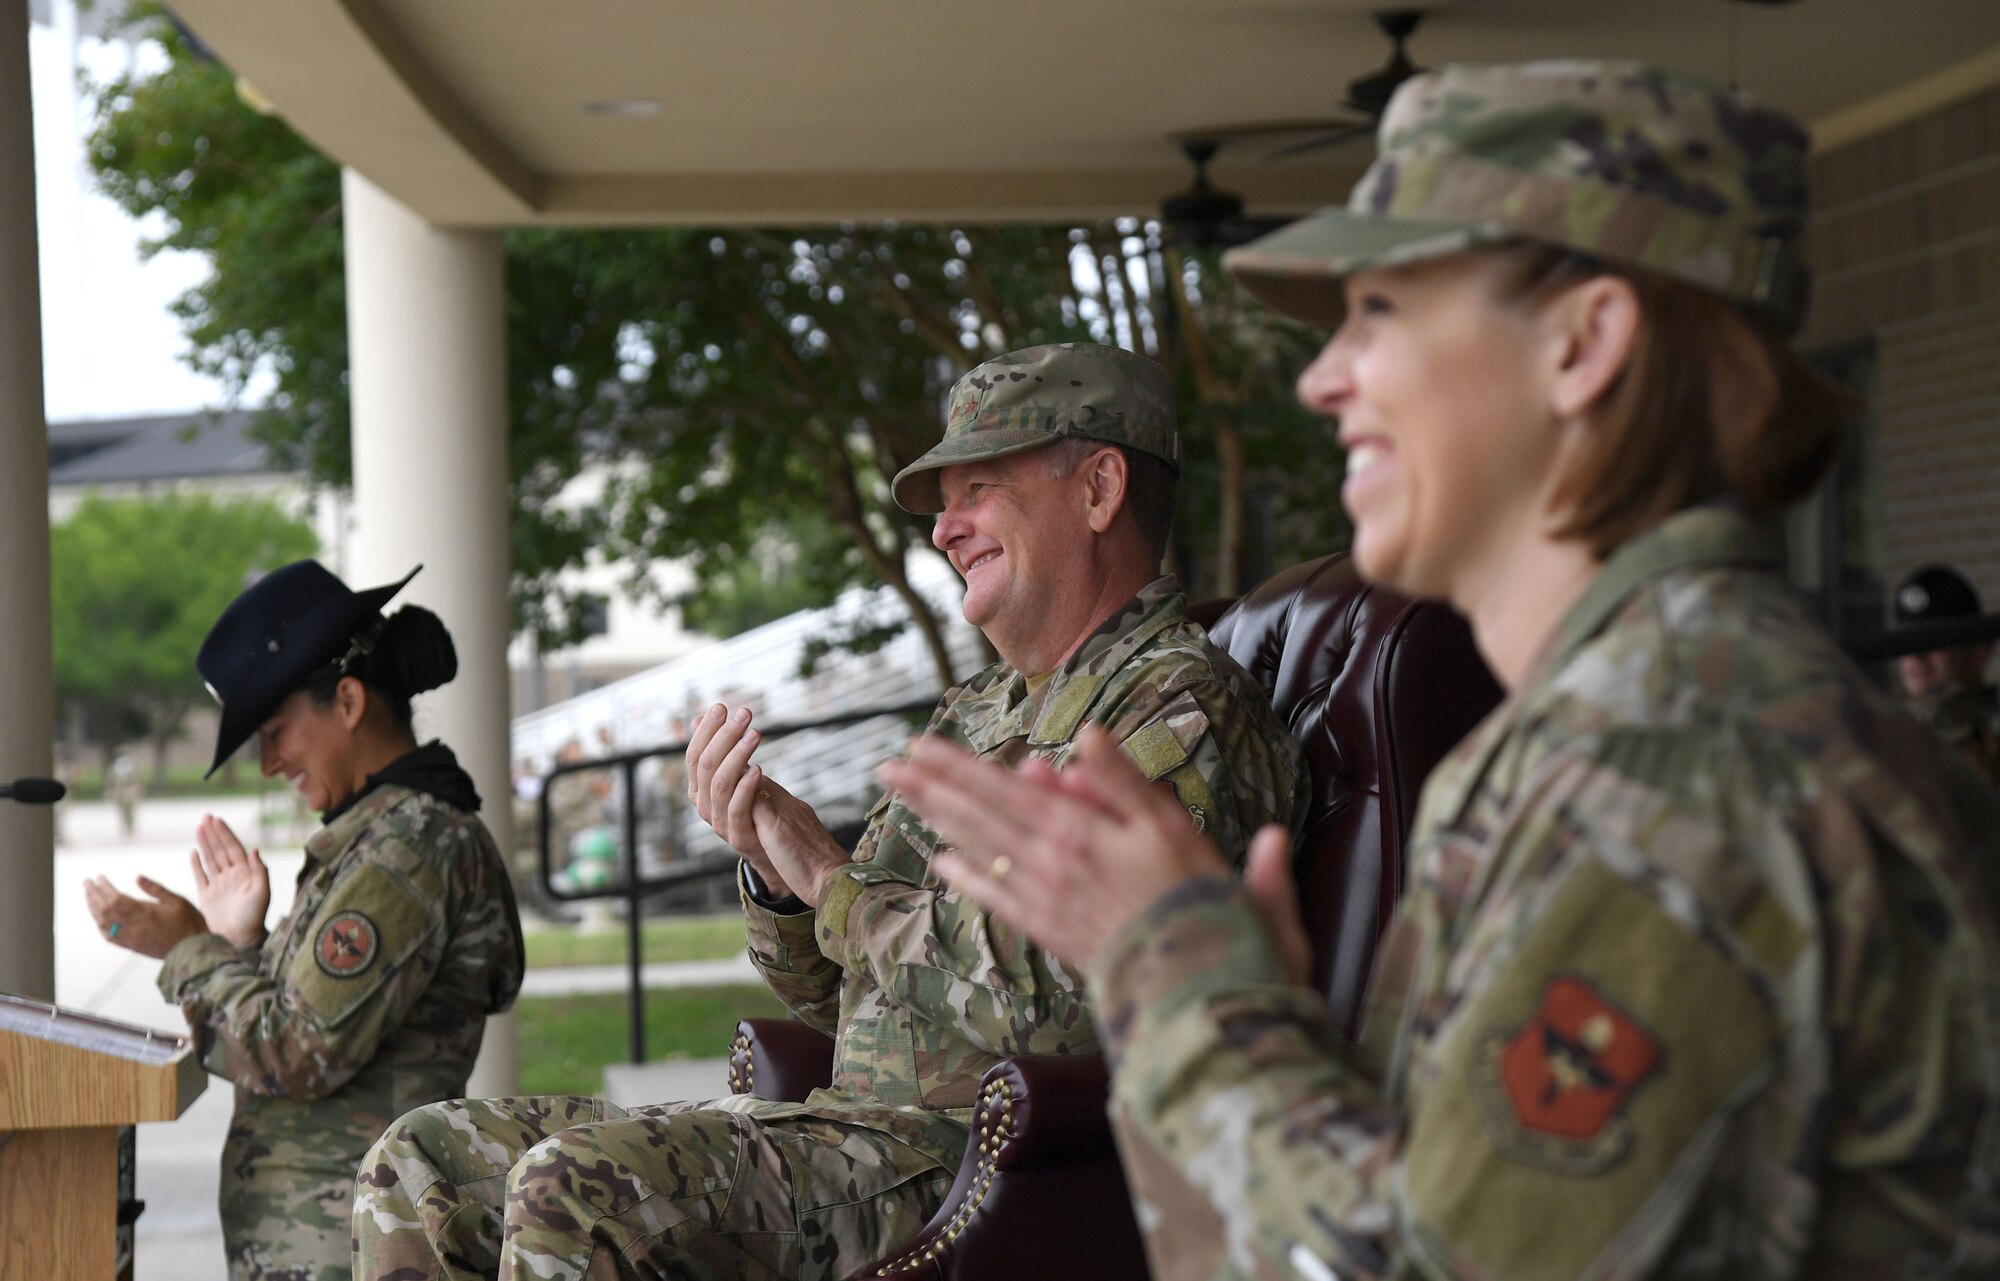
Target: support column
27, 696
427, 351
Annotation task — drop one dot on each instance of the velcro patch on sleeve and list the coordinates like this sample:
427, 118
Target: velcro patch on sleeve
1585, 1083
1161, 749
371, 923
1154, 748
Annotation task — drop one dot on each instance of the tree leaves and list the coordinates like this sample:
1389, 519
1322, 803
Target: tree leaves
737, 398
137, 583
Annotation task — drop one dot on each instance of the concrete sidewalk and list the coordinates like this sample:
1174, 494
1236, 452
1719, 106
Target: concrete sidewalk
584, 980
178, 1237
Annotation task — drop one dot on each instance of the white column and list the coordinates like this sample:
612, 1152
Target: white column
427, 351
27, 699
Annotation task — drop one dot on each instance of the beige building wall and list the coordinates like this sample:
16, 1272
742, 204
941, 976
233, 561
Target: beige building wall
1906, 250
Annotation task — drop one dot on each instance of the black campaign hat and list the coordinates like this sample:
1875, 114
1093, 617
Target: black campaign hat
1933, 592
284, 627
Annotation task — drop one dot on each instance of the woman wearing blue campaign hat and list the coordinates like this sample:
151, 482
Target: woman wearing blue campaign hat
372, 994
1696, 972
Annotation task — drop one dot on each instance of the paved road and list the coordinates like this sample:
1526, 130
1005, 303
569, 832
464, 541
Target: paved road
177, 1237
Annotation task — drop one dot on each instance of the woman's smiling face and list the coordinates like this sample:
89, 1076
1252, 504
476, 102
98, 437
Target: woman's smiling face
1443, 410
312, 747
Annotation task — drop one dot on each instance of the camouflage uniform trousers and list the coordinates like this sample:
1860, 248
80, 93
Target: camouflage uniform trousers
287, 1191
569, 1187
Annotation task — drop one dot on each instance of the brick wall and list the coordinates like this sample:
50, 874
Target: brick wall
1905, 247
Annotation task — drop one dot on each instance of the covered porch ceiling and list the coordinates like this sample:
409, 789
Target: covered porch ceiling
490, 113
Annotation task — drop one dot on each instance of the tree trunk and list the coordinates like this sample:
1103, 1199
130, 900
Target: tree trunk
161, 743
1211, 391
844, 491
927, 622
1229, 533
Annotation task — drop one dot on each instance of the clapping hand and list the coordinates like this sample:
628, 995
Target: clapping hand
231, 882
1072, 858
776, 833
149, 926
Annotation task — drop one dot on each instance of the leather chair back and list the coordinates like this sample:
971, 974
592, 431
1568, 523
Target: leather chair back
1376, 688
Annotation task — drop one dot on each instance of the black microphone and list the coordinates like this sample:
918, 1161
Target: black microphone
33, 791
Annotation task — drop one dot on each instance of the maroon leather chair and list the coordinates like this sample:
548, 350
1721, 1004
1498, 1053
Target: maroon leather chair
1376, 688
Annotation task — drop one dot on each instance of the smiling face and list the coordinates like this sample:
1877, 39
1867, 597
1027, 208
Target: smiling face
1445, 414
312, 747
1015, 534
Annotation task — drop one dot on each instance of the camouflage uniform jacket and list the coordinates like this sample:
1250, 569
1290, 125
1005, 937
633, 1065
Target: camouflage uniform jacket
1694, 978
1966, 717
368, 999
922, 989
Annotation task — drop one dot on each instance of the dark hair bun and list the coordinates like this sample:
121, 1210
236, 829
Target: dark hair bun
415, 652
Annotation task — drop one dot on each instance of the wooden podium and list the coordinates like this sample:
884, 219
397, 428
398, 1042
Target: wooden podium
71, 1087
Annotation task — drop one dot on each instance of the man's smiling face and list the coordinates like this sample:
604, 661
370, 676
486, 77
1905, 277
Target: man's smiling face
1010, 529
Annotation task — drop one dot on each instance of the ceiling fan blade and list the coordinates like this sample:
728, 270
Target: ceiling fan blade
1322, 142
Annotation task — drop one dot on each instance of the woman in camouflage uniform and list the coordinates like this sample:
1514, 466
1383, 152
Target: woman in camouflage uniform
1697, 973
371, 996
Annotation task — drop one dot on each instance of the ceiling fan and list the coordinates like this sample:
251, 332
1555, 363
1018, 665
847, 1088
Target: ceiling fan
1207, 216
1368, 95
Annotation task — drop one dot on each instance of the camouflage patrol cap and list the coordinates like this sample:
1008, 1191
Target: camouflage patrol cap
1624, 162
1028, 399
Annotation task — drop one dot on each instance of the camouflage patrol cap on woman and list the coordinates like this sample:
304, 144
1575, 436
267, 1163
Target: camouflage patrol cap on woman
1028, 399
1621, 161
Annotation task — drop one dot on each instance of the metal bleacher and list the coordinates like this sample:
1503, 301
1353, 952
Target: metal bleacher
832, 768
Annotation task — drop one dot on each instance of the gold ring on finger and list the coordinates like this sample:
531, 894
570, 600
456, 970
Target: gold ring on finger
997, 870
763, 793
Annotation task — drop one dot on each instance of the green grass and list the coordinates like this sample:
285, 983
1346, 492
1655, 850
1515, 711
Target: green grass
681, 938
566, 1041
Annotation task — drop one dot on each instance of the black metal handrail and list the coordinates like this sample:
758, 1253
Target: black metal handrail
634, 889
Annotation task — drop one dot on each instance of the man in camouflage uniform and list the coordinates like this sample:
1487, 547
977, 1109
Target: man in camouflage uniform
1947, 689
1695, 974
922, 991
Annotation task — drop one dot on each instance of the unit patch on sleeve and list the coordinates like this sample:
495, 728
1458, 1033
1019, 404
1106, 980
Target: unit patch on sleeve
347, 945
1553, 1090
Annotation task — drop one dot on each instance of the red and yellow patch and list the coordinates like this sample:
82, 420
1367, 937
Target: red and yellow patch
1554, 1089
1570, 1069
347, 945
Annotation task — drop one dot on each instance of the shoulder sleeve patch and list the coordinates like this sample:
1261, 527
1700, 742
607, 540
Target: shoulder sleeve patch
369, 926
1583, 1085
347, 945
1558, 1085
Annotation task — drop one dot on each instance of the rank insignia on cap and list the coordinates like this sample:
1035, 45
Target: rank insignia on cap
347, 945
1553, 1090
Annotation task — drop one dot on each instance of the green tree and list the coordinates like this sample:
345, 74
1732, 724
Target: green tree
748, 391
137, 582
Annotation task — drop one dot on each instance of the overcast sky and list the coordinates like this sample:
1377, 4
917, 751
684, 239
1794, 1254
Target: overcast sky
110, 347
